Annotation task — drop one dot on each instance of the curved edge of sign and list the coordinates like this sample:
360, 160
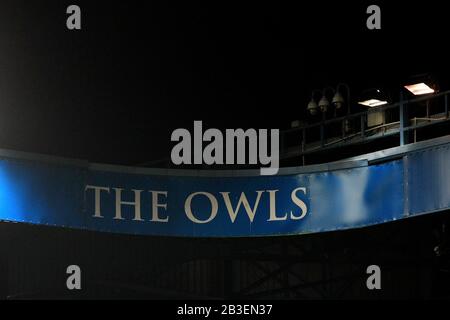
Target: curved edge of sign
376, 188
354, 162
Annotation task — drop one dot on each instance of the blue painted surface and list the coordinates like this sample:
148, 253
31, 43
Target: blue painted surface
39, 193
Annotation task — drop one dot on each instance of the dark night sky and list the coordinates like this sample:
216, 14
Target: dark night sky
114, 91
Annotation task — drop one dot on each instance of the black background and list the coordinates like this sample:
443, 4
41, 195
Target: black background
114, 91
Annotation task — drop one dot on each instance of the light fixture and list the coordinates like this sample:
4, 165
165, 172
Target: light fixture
312, 107
421, 84
338, 100
324, 104
418, 89
373, 98
373, 103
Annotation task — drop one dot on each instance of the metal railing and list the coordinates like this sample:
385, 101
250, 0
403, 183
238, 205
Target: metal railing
353, 128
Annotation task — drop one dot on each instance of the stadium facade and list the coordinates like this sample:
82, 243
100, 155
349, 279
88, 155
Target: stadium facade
373, 190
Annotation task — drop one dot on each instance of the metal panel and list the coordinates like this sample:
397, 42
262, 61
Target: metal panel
46, 193
429, 180
54, 195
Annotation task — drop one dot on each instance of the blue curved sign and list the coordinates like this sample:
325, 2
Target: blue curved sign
95, 198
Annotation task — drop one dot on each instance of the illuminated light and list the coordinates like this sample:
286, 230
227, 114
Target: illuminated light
419, 89
373, 98
373, 103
